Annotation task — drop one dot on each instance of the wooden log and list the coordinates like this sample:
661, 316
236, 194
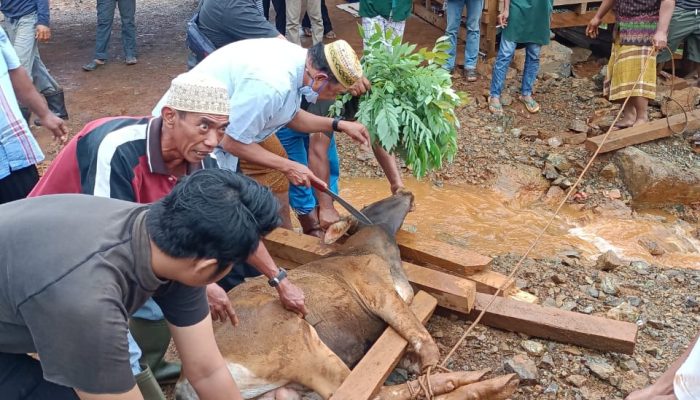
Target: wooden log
554, 324
452, 292
451, 258
370, 373
643, 133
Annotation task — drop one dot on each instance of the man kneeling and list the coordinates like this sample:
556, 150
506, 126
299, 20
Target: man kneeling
74, 267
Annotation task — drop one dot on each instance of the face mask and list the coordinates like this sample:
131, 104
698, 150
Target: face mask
309, 93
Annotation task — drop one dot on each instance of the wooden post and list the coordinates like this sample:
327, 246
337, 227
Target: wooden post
491, 16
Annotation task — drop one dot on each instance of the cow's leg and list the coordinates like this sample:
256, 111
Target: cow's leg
385, 303
314, 365
440, 384
499, 388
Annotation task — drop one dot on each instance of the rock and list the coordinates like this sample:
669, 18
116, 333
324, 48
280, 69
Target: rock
608, 285
629, 365
524, 367
554, 142
691, 302
653, 351
438, 334
516, 132
555, 58
506, 99
365, 156
549, 171
641, 267
623, 312
600, 368
547, 362
614, 194
569, 306
552, 388
554, 193
656, 324
613, 208
578, 126
653, 182
634, 301
591, 394
651, 246
599, 78
576, 380
688, 99
631, 381
587, 310
545, 134
609, 172
523, 182
609, 261
556, 278
593, 292
580, 54
532, 348
398, 376
558, 161
574, 138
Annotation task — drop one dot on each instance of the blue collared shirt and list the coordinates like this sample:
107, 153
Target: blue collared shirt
18, 148
15, 9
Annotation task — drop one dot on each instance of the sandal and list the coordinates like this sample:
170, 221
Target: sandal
330, 35
496, 108
530, 104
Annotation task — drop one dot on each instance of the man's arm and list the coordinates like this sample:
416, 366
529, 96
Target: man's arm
388, 164
665, 14
43, 32
306, 122
319, 165
202, 362
27, 95
291, 296
592, 28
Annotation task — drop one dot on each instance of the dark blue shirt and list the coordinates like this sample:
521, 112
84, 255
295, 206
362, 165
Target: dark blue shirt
15, 9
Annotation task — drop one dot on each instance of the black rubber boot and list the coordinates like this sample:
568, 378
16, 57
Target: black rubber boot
153, 337
149, 387
57, 105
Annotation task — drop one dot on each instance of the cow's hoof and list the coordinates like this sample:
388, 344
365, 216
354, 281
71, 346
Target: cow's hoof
500, 388
440, 384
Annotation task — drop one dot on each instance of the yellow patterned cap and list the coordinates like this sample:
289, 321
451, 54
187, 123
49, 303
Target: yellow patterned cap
198, 93
343, 62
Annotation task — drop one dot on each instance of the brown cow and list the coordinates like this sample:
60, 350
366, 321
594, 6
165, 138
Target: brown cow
352, 295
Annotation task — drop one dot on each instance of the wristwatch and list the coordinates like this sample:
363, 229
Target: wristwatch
336, 121
274, 282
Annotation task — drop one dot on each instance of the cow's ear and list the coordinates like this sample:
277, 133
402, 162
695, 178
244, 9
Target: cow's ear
337, 230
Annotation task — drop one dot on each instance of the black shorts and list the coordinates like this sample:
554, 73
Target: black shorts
18, 184
21, 378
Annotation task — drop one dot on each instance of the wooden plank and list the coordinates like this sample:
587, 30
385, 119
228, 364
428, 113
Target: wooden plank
370, 373
554, 324
643, 133
491, 21
451, 258
452, 292
571, 18
489, 281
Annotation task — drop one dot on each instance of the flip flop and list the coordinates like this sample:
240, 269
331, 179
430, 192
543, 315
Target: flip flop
530, 104
495, 108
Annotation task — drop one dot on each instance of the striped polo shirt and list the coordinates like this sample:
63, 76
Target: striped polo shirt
117, 157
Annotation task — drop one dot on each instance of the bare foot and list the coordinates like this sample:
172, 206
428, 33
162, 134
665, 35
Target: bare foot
640, 121
499, 388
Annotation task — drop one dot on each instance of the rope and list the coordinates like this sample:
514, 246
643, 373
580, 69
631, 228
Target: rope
551, 219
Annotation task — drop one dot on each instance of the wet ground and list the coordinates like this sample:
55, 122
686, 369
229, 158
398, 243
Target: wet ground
662, 289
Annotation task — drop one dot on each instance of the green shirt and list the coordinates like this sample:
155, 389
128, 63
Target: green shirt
397, 10
529, 21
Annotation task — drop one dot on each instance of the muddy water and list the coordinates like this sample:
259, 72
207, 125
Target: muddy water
483, 221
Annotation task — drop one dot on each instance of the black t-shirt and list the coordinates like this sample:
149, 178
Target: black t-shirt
72, 269
228, 21
688, 4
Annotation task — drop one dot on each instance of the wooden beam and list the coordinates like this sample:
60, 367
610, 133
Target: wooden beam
370, 373
554, 324
489, 281
452, 292
653, 130
571, 18
452, 258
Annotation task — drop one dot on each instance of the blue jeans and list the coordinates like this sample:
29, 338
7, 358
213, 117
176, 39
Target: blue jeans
105, 16
301, 198
454, 18
150, 311
21, 33
503, 59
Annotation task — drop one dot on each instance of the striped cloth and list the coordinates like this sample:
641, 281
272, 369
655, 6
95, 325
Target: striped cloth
624, 68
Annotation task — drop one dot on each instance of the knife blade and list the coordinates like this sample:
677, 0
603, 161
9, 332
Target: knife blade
352, 210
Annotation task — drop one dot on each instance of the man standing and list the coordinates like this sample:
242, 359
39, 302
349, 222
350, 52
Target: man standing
105, 17
66, 292
684, 27
19, 151
140, 160
26, 23
473, 22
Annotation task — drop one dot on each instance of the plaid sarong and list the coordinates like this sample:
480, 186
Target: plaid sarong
625, 65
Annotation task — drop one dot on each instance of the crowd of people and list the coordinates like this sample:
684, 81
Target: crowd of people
151, 220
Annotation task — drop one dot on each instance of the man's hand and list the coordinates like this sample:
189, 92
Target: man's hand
503, 19
56, 125
592, 28
43, 33
292, 297
356, 131
360, 87
660, 40
327, 217
220, 305
300, 175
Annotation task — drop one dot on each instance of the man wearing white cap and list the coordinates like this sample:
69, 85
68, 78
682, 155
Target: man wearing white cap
141, 160
266, 79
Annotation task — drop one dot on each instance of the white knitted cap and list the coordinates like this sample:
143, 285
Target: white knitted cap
198, 93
